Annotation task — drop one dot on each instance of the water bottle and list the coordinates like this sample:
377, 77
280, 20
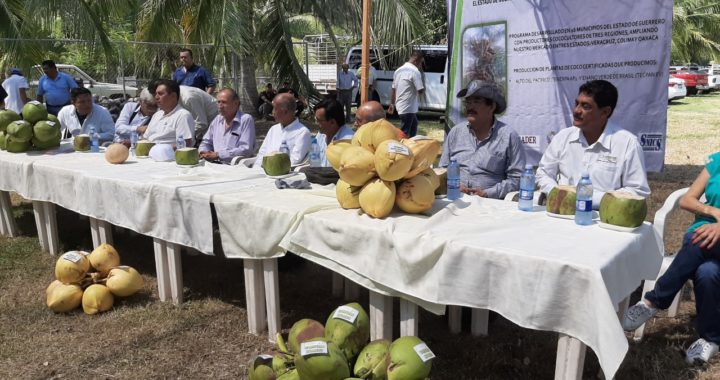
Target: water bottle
527, 189
453, 180
180, 143
94, 141
133, 143
583, 201
315, 154
284, 148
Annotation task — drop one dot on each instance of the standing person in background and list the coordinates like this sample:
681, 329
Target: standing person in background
15, 86
372, 84
55, 86
135, 117
190, 74
77, 118
231, 133
407, 85
346, 82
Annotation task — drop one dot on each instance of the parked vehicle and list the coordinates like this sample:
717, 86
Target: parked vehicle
676, 89
99, 89
695, 81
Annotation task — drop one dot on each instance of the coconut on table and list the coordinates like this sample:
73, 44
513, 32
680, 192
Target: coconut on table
187, 156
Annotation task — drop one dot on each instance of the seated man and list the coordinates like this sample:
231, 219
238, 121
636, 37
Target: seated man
82, 114
135, 117
171, 120
231, 133
201, 105
489, 153
367, 112
331, 122
288, 130
612, 155
266, 98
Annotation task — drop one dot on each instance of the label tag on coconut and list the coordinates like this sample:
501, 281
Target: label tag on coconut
398, 149
313, 348
34, 102
424, 352
346, 313
265, 357
72, 256
50, 123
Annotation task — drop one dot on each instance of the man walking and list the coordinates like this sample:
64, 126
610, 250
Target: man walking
346, 82
407, 85
15, 86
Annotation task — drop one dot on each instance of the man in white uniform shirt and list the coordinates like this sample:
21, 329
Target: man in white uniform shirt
612, 156
288, 130
346, 82
331, 122
135, 117
82, 114
407, 85
15, 86
171, 120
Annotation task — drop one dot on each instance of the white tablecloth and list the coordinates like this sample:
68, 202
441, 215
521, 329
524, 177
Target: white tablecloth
16, 168
540, 272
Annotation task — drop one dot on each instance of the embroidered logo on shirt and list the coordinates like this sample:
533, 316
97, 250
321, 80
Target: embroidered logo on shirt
607, 159
651, 142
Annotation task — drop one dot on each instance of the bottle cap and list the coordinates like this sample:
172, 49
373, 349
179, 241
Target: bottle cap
585, 174
528, 166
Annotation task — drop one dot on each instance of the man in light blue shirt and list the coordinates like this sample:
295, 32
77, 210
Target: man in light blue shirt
231, 134
78, 117
135, 117
55, 86
331, 122
346, 82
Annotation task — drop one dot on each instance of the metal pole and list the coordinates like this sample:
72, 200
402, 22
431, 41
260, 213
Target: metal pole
122, 69
307, 64
367, 6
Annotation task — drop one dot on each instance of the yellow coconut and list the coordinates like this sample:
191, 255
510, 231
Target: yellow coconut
334, 152
377, 198
348, 196
393, 160
425, 151
96, 299
442, 181
103, 258
62, 298
415, 195
71, 267
430, 174
370, 135
116, 153
124, 281
357, 166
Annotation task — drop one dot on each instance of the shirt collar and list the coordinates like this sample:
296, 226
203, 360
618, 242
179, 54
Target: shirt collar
490, 133
178, 106
605, 139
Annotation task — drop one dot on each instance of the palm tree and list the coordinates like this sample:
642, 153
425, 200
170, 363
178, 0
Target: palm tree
696, 30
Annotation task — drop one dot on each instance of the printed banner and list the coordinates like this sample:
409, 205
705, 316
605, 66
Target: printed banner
541, 51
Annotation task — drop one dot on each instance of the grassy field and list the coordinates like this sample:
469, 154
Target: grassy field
206, 336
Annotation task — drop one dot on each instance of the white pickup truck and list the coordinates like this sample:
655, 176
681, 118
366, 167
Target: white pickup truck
99, 89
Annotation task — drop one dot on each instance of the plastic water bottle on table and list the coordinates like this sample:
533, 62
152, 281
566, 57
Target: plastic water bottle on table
180, 143
583, 201
284, 148
315, 154
453, 178
94, 140
527, 189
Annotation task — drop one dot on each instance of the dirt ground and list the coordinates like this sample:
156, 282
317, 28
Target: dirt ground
206, 337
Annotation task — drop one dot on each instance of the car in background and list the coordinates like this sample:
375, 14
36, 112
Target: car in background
695, 81
676, 89
99, 89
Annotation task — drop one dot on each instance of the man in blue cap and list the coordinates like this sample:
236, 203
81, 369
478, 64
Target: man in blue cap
55, 86
15, 86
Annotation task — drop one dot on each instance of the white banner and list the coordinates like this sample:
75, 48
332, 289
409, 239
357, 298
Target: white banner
541, 51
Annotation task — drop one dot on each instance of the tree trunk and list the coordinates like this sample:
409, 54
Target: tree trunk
248, 85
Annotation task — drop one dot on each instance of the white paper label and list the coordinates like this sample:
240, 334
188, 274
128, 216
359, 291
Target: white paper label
34, 102
424, 352
398, 149
346, 313
72, 256
265, 357
50, 123
313, 348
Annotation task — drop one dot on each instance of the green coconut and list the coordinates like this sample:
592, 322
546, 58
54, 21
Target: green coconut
260, 368
81, 143
276, 163
187, 156
20, 130
373, 360
7, 117
405, 362
53, 118
14, 146
142, 148
289, 375
34, 111
42, 145
46, 131
348, 326
3, 145
302, 331
623, 209
561, 200
324, 361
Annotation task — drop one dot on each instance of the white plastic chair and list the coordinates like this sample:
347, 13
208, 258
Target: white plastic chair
671, 203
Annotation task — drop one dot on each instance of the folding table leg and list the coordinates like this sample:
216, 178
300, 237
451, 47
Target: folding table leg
255, 295
161, 267
51, 228
570, 358
272, 296
381, 316
454, 319
408, 318
337, 284
39, 211
7, 222
352, 291
479, 322
175, 271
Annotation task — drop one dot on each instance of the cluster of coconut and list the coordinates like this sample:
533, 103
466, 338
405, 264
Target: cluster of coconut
378, 171
91, 279
339, 350
35, 128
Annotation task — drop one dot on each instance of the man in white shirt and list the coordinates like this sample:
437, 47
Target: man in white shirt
201, 105
82, 114
331, 122
346, 82
171, 120
406, 87
15, 86
135, 117
288, 130
612, 155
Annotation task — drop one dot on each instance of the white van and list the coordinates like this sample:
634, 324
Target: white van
435, 74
